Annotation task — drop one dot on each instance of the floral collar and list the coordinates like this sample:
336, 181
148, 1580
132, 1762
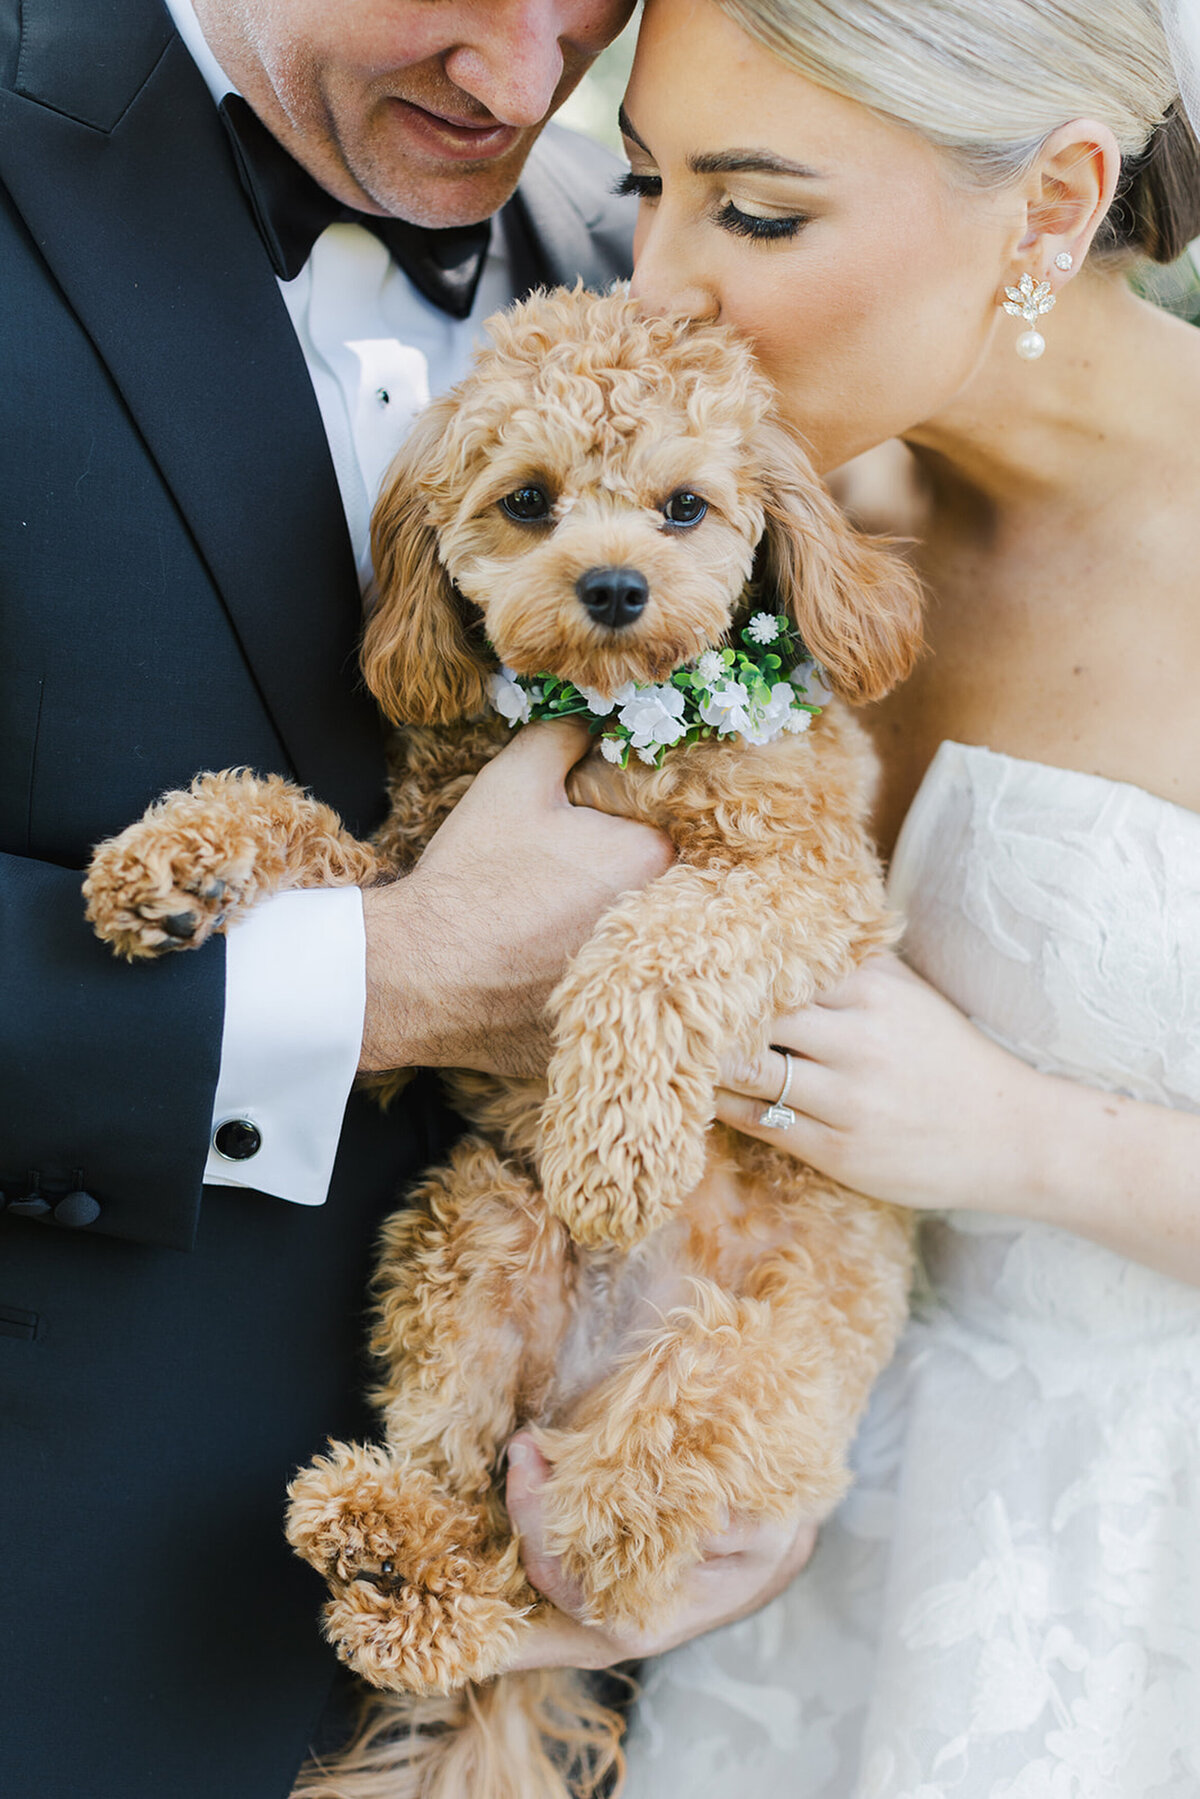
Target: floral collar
757, 693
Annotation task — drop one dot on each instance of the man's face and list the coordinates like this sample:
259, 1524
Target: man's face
422, 108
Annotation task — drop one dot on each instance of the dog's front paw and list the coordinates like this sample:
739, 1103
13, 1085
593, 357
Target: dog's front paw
145, 899
191, 865
423, 1601
165, 884
617, 1156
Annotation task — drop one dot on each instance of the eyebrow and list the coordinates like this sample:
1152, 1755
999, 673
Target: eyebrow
730, 162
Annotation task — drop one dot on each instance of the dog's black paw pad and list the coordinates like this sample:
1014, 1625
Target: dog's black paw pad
180, 924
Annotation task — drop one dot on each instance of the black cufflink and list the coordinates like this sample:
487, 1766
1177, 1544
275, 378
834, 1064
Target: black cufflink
237, 1139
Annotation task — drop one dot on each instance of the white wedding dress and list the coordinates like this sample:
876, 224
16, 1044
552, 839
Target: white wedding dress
1007, 1605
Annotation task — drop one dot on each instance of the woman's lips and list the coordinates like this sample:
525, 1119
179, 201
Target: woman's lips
457, 139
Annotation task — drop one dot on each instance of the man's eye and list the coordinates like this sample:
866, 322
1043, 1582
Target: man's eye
684, 508
526, 504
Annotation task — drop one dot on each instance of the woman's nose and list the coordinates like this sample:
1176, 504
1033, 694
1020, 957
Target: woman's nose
663, 282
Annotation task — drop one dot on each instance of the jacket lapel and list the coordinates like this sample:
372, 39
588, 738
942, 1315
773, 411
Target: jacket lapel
126, 182
574, 228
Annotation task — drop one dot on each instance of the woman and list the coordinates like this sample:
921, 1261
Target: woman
1008, 1605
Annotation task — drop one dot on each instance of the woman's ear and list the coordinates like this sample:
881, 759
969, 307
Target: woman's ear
1069, 189
854, 599
418, 658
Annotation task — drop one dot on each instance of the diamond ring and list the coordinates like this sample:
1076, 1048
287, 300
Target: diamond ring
778, 1116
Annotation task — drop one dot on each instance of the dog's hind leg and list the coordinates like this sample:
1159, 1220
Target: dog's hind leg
739, 1405
428, 1587
196, 861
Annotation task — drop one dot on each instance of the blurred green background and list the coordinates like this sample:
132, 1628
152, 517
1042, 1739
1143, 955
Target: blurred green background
593, 105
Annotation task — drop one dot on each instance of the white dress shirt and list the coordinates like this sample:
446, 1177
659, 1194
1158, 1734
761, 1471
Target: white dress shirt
295, 986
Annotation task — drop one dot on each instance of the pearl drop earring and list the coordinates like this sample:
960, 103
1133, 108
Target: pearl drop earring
1028, 301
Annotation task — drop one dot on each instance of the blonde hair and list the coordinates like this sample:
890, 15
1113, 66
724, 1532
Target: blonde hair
989, 80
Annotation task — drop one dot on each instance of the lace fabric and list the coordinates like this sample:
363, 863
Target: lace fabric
1007, 1605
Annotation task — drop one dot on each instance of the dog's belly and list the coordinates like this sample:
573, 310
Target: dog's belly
722, 1231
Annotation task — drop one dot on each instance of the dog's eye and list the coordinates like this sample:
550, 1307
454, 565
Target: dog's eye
684, 508
527, 504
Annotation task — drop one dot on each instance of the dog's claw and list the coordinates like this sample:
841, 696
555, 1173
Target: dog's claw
214, 890
180, 924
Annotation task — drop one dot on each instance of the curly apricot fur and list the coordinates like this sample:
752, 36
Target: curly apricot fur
684, 1347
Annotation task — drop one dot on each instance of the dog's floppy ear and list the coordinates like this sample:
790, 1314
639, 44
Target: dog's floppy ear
856, 602
418, 658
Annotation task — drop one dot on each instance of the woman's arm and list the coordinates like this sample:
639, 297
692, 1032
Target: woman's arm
899, 1096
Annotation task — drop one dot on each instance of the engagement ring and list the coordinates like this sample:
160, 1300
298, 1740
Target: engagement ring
778, 1116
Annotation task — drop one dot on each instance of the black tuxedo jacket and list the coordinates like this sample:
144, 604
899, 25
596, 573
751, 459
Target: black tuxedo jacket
177, 592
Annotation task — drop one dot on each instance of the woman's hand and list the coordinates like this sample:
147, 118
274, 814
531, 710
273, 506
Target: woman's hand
897, 1095
744, 1567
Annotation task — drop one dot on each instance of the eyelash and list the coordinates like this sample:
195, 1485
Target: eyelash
642, 187
748, 224
729, 217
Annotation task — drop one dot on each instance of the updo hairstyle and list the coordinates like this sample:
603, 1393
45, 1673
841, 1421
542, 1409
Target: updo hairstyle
989, 80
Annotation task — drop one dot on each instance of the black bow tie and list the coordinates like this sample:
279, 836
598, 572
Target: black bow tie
291, 211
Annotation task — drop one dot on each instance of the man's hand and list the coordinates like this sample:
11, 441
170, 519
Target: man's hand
744, 1567
464, 953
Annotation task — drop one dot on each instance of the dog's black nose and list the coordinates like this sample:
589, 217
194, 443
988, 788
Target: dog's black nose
613, 596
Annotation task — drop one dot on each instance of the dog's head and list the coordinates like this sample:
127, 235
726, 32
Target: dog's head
601, 499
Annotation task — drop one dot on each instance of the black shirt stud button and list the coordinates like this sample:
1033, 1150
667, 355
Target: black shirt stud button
77, 1209
237, 1139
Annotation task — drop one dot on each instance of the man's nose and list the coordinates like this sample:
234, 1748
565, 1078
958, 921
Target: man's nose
514, 61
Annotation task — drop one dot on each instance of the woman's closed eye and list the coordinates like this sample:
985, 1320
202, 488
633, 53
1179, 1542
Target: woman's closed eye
762, 225
642, 187
765, 226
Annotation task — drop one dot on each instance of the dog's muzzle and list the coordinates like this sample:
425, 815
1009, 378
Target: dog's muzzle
613, 596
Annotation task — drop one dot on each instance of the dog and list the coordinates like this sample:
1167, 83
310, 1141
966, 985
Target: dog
606, 516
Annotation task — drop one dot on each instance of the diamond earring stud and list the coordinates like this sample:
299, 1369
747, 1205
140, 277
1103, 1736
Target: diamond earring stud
1064, 261
1028, 300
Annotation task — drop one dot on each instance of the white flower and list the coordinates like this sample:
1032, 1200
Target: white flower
647, 754
710, 667
768, 721
612, 749
727, 708
763, 628
810, 678
797, 721
780, 707
511, 702
653, 716
599, 704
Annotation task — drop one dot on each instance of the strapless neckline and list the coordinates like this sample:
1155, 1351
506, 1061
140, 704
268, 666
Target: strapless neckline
1061, 912
950, 753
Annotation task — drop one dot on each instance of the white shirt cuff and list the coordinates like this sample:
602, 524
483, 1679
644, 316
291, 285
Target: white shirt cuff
295, 997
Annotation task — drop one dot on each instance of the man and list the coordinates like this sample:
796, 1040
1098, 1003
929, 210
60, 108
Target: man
184, 479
